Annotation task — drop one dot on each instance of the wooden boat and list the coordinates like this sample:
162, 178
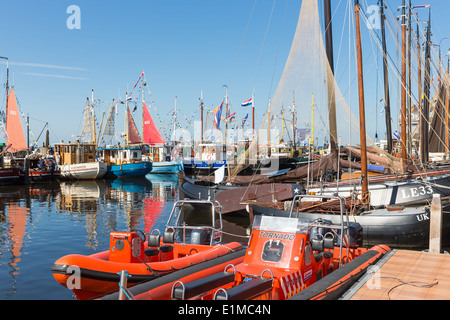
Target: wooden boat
399, 226
124, 162
284, 256
8, 175
77, 160
185, 242
167, 167
231, 196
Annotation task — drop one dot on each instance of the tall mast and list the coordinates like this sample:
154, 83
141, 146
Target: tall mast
93, 119
331, 89
201, 116
253, 115
362, 121
175, 121
143, 101
409, 81
293, 120
403, 89
312, 119
419, 82
426, 92
387, 104
7, 84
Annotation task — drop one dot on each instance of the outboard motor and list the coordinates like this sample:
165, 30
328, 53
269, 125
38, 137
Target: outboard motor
355, 233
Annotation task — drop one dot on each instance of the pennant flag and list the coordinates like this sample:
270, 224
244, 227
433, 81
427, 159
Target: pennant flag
231, 116
245, 119
247, 103
421, 6
217, 114
395, 135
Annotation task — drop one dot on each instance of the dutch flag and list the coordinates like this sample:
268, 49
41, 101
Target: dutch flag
396, 135
246, 103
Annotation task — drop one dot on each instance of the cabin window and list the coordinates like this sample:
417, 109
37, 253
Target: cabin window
272, 251
135, 155
124, 155
91, 149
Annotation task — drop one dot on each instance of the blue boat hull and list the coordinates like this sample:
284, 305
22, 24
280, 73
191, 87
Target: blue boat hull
137, 169
167, 167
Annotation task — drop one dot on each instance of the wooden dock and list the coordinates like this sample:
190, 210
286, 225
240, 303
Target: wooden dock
405, 275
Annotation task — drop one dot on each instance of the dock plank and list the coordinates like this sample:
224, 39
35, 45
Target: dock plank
409, 275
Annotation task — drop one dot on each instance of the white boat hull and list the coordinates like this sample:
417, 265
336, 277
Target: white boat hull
83, 171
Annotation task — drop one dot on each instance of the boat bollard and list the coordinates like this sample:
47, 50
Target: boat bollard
435, 224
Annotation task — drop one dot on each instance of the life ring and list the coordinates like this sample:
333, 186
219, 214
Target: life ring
208, 156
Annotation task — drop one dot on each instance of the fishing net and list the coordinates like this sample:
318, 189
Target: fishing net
308, 88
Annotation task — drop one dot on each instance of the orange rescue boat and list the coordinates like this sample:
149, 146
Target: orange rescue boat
184, 243
285, 255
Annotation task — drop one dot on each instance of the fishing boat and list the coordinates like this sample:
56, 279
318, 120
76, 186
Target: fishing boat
399, 226
14, 168
186, 241
232, 196
41, 169
285, 255
124, 162
77, 160
155, 149
8, 175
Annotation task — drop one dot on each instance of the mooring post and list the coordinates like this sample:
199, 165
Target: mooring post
435, 224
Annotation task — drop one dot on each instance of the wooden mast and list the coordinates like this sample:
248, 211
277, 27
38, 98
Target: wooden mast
201, 116
362, 121
426, 93
408, 96
387, 104
403, 90
419, 82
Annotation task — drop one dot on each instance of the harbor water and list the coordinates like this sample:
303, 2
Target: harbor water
39, 223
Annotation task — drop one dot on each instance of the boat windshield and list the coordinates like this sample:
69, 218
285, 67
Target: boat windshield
280, 224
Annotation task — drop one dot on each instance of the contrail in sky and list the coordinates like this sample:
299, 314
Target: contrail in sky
41, 65
54, 76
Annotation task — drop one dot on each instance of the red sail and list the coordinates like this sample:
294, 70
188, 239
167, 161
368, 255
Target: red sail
133, 134
14, 128
151, 133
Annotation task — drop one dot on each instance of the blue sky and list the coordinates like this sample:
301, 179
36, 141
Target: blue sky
185, 47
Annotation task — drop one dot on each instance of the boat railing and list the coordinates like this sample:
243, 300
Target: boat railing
340, 231
177, 223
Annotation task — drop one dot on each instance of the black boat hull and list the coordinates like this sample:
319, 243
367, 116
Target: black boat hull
405, 228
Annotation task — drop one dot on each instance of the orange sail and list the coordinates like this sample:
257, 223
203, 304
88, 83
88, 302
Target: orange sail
150, 132
14, 128
133, 134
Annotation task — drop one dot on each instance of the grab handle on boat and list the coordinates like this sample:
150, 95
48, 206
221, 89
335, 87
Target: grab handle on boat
270, 271
230, 265
173, 288
221, 290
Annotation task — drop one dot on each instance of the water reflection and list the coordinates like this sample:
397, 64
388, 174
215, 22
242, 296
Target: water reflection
41, 222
